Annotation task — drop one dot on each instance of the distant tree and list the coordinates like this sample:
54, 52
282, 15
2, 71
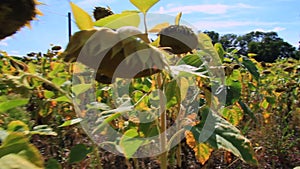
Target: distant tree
267, 45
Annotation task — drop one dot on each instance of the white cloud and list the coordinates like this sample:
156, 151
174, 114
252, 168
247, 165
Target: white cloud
93, 3
2, 43
205, 8
276, 29
207, 25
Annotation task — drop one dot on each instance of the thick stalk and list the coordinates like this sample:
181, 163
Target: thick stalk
163, 127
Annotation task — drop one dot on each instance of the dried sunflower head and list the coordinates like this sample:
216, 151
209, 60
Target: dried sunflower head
100, 12
180, 39
16, 14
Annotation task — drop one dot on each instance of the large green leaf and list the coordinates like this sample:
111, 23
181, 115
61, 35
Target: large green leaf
251, 67
219, 48
18, 143
193, 60
233, 88
172, 92
220, 134
143, 6
83, 19
79, 152
116, 21
130, 142
80, 88
205, 44
14, 161
10, 104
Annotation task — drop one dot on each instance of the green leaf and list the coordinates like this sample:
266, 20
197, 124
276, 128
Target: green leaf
53, 164
193, 60
71, 122
43, 130
247, 110
172, 92
10, 104
220, 134
159, 27
63, 99
219, 48
251, 67
233, 114
143, 6
79, 152
80, 88
14, 161
17, 126
18, 143
233, 88
83, 19
130, 142
57, 67
116, 21
184, 86
205, 44
48, 94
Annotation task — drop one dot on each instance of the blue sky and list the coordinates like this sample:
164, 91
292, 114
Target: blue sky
223, 16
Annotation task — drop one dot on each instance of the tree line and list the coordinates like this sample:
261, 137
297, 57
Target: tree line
267, 46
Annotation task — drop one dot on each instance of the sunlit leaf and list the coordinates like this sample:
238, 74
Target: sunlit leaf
18, 143
159, 27
193, 60
183, 85
17, 126
71, 122
219, 48
63, 99
80, 88
79, 152
130, 142
233, 114
13, 161
10, 104
219, 133
143, 6
116, 21
48, 94
83, 19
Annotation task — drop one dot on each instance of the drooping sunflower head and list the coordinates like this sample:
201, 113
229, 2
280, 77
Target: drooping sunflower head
181, 39
16, 14
100, 12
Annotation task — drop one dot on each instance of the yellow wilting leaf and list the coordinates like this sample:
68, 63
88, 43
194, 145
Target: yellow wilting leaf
178, 17
233, 114
159, 27
83, 19
202, 150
